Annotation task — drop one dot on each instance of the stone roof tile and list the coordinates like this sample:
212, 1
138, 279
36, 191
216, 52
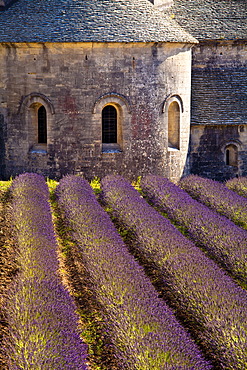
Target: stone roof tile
88, 21
219, 96
212, 19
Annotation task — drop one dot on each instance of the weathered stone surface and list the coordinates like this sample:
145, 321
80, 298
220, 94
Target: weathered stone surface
207, 151
219, 101
74, 81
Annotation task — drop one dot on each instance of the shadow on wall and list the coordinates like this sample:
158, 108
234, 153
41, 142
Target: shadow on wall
2, 147
210, 158
5, 4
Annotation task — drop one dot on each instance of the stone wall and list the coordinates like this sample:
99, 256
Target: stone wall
219, 108
207, 151
74, 81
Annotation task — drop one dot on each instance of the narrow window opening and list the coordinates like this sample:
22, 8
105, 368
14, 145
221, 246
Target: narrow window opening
173, 125
231, 155
228, 157
109, 124
42, 125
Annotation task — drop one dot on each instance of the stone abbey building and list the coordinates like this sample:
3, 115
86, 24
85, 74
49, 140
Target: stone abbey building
123, 86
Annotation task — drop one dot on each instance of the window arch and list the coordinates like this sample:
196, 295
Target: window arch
42, 125
109, 125
38, 127
231, 155
112, 115
174, 125
38, 113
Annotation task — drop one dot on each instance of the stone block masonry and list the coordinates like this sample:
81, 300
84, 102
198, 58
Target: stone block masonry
74, 81
219, 109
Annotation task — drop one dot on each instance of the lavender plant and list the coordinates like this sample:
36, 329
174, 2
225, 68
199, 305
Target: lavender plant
144, 331
218, 197
40, 311
239, 185
203, 294
225, 242
7, 263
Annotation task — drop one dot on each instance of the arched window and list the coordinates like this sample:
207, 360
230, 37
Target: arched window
42, 125
39, 114
112, 117
173, 125
231, 155
109, 124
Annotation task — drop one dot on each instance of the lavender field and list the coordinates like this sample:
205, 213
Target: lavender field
106, 275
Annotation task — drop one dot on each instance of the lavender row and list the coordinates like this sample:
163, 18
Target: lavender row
41, 314
7, 262
224, 241
239, 185
211, 303
218, 197
143, 329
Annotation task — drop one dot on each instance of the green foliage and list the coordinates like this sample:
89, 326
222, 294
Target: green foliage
95, 184
136, 183
52, 184
4, 185
5, 190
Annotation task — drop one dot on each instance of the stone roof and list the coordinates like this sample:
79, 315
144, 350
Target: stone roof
88, 21
219, 96
212, 19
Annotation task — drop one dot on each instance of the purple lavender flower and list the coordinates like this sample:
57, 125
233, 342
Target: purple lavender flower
142, 327
218, 197
41, 313
239, 185
225, 242
211, 303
